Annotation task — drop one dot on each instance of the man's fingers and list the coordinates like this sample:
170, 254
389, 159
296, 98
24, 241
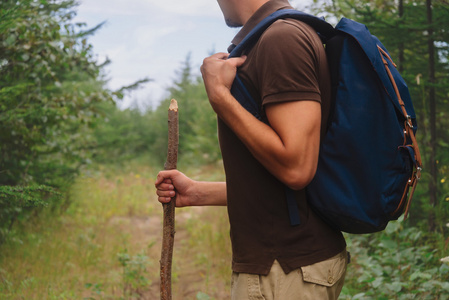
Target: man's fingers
159, 179
165, 192
165, 187
164, 199
237, 61
163, 176
165, 184
220, 55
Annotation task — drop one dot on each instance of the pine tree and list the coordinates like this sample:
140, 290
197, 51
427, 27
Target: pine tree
50, 85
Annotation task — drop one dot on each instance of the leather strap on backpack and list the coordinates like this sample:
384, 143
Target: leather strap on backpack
408, 135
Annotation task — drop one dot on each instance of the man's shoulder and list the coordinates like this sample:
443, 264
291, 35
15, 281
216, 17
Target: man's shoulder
285, 31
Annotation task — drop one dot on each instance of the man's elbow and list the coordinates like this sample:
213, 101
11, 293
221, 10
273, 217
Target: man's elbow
298, 179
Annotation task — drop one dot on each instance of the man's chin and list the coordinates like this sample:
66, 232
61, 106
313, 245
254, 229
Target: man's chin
232, 24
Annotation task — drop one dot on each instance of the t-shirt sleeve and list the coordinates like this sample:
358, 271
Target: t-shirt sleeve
288, 63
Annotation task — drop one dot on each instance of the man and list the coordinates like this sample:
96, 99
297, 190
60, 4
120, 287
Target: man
287, 72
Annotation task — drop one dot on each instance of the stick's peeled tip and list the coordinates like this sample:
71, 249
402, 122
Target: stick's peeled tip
173, 105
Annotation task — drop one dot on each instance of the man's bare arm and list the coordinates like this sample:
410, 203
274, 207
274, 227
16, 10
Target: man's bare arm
289, 148
189, 192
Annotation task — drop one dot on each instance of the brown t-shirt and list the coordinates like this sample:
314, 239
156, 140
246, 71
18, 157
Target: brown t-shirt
288, 63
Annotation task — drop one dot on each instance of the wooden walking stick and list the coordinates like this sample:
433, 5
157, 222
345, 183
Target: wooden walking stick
168, 235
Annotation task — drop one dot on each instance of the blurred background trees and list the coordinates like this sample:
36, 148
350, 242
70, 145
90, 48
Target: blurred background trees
136, 133
58, 119
51, 87
57, 115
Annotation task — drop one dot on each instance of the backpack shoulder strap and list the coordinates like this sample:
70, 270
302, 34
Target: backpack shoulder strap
323, 28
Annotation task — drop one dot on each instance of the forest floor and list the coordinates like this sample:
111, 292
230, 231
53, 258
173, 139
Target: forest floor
107, 245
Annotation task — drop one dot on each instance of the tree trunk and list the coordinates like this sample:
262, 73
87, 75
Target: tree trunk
401, 44
168, 235
432, 118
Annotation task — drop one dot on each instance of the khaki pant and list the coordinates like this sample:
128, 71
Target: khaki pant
320, 281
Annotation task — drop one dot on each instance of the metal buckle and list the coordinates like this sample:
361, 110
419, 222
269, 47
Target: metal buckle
409, 121
418, 173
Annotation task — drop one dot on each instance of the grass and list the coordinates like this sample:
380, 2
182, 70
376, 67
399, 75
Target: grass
107, 244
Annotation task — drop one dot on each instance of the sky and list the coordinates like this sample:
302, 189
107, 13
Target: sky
152, 39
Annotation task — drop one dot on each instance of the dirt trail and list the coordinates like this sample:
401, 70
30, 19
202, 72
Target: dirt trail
188, 278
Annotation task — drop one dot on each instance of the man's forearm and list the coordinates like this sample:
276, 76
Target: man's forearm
209, 194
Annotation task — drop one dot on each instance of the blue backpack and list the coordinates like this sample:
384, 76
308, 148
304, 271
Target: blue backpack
369, 158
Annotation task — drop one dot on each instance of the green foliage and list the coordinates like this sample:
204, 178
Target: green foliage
132, 133
135, 274
50, 89
49, 85
202, 296
197, 121
96, 288
56, 115
81, 254
210, 233
398, 263
74, 255
122, 136
17, 201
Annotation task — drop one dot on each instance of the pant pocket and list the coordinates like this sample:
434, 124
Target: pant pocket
254, 287
246, 287
328, 272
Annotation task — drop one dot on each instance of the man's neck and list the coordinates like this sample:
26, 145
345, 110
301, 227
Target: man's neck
249, 7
